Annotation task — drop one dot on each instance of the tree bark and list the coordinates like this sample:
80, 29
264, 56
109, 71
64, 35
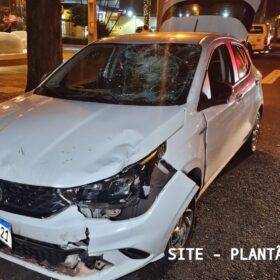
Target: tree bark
44, 41
147, 11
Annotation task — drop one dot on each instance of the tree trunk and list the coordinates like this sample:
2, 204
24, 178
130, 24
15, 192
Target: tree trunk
44, 41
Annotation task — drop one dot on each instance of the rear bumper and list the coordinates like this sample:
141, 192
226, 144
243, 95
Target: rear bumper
105, 238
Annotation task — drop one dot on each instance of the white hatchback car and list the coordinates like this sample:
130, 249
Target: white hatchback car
102, 164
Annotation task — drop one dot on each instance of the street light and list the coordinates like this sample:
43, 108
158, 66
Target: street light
130, 13
225, 13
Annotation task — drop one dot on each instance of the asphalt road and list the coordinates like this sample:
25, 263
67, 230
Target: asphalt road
241, 209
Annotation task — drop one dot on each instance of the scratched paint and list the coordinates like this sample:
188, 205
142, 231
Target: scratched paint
272, 77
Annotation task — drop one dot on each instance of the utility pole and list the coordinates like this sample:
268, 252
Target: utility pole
92, 21
159, 12
263, 16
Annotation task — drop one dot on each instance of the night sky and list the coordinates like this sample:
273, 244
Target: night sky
273, 8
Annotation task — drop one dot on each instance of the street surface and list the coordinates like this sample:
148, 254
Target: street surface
241, 209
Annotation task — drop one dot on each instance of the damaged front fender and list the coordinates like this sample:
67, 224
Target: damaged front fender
149, 232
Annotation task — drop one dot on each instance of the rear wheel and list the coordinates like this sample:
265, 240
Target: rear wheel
251, 144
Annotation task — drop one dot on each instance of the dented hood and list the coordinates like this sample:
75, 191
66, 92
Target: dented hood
62, 143
232, 17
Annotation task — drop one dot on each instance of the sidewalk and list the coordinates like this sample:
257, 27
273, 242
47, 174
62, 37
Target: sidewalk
14, 75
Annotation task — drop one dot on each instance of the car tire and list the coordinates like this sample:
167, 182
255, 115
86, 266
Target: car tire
183, 231
267, 48
250, 145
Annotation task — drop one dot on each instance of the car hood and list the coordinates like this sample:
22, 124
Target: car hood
236, 24
62, 143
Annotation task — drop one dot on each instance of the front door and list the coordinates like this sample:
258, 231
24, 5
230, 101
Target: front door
220, 109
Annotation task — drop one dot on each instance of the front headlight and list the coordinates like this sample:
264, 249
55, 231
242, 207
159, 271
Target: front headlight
108, 198
118, 191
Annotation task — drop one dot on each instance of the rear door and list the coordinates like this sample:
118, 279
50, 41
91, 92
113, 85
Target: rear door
245, 89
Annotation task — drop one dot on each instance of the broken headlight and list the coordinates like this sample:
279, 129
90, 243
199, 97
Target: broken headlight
108, 198
114, 193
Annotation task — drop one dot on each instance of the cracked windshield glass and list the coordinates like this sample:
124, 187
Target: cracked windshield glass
148, 74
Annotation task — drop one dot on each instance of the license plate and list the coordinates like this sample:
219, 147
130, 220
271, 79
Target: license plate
6, 233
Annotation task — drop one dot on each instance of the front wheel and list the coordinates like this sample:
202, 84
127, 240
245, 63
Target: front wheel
183, 230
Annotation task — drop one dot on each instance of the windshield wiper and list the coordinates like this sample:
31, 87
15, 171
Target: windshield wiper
47, 91
98, 96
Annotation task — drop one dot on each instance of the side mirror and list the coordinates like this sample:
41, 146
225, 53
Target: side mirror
223, 91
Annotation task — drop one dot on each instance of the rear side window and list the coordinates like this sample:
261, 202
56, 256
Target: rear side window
242, 61
256, 30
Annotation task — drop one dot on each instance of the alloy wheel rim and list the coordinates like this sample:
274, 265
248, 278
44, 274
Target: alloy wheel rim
182, 230
256, 133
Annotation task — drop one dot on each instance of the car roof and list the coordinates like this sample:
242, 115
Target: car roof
163, 37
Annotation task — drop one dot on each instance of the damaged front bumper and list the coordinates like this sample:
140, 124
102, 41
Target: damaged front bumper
115, 248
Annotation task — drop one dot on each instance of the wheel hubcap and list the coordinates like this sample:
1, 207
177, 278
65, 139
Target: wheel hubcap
256, 133
182, 230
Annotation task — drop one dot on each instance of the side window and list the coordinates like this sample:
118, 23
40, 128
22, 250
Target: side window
242, 61
219, 79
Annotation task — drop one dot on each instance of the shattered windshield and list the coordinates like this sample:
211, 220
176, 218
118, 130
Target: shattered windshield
136, 74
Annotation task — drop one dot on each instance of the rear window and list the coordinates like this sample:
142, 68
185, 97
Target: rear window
256, 30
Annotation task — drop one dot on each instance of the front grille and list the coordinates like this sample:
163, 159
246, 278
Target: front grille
40, 252
32, 201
